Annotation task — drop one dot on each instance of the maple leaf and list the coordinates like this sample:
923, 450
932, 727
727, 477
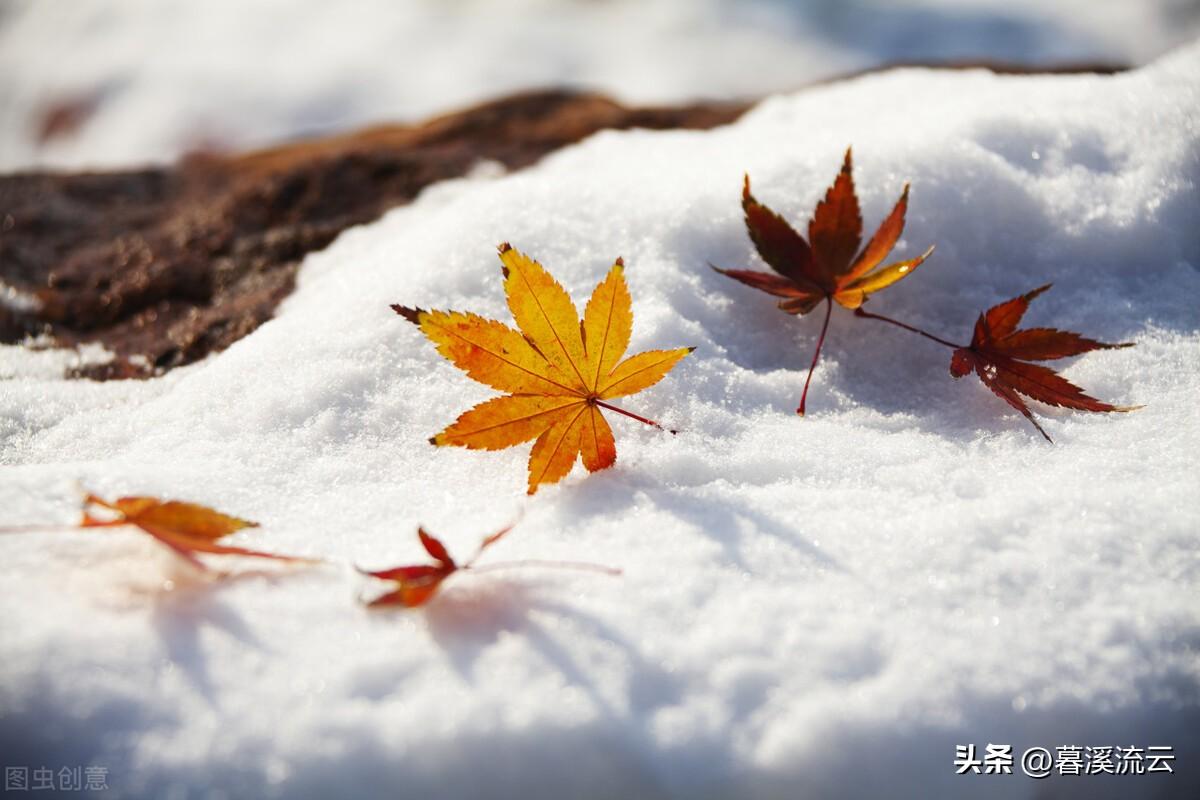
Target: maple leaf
186, 528
825, 267
416, 584
999, 354
559, 372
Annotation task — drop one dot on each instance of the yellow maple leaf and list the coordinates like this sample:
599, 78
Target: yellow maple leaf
557, 370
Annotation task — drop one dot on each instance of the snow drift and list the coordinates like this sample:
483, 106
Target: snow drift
816, 607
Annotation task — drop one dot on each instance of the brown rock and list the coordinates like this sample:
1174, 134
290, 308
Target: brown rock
164, 266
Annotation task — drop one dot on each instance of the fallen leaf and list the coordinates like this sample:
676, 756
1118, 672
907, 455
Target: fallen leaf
559, 372
416, 584
825, 267
999, 354
186, 528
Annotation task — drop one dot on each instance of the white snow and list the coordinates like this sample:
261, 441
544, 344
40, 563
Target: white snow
163, 77
810, 608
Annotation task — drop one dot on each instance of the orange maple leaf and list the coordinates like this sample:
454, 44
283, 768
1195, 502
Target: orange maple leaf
827, 269
186, 528
1000, 355
559, 371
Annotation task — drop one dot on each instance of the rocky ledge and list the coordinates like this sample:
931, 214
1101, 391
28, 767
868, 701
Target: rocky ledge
164, 266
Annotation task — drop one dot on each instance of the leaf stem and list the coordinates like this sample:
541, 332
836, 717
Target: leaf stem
859, 312
632, 415
535, 562
816, 354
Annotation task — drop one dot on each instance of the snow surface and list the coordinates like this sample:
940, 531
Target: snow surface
168, 76
817, 607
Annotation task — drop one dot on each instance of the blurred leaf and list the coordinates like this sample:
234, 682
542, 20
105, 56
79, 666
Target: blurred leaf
186, 528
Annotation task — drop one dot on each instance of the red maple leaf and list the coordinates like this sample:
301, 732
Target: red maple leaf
999, 354
825, 267
416, 584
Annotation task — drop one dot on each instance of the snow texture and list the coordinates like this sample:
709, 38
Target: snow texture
151, 79
818, 607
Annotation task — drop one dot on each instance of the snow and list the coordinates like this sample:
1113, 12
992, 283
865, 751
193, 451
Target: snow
162, 77
809, 608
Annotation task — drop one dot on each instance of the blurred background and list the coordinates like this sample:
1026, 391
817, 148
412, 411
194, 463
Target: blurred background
105, 83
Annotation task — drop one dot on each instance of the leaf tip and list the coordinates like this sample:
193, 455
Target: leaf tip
1040, 290
434, 547
504, 249
413, 315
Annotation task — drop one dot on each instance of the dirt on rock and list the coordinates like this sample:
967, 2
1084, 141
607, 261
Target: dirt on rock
164, 266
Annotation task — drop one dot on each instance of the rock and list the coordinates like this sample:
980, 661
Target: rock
164, 266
